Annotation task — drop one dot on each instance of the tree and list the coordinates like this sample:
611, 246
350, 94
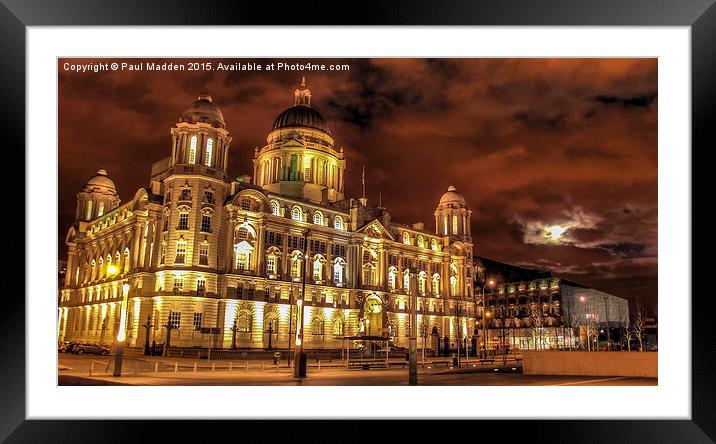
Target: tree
626, 332
536, 323
424, 326
593, 332
638, 325
573, 328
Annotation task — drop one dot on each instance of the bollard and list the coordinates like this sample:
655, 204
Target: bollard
91, 368
213, 367
230, 366
194, 367
176, 367
156, 367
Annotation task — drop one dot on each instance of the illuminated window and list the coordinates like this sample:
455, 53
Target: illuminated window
338, 223
174, 320
204, 254
209, 151
192, 150
453, 285
242, 260
178, 282
318, 269
126, 260
243, 322
454, 224
296, 214
275, 209
421, 241
183, 221
163, 252
317, 326
422, 282
436, 284
338, 327
296, 266
100, 209
88, 215
197, 321
206, 223
181, 252
318, 218
338, 267
406, 238
392, 278
271, 264
406, 281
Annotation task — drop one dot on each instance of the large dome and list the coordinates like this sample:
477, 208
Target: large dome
302, 116
452, 197
203, 110
100, 180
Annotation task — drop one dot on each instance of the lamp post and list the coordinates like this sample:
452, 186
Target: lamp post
413, 354
122, 332
484, 307
234, 329
299, 370
147, 325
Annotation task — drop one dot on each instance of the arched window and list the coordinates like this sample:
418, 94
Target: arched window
318, 218
243, 322
338, 270
296, 214
181, 252
422, 282
318, 268
453, 285
192, 150
421, 241
406, 238
317, 326
338, 223
392, 278
434, 244
436, 284
209, 152
275, 209
338, 327
296, 260
406, 281
88, 215
454, 224
100, 209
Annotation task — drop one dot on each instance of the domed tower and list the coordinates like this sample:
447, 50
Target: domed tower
299, 158
98, 196
452, 217
200, 138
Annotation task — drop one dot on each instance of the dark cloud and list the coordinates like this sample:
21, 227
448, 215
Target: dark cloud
531, 143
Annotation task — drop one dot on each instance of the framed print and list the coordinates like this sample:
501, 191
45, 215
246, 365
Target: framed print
482, 221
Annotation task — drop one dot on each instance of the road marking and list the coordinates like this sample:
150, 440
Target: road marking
593, 380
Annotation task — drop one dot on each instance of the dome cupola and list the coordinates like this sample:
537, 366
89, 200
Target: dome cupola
301, 115
203, 110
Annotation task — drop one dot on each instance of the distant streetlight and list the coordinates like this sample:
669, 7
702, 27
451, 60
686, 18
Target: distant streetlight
121, 336
413, 343
299, 370
491, 283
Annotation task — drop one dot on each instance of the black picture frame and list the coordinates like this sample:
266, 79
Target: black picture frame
699, 15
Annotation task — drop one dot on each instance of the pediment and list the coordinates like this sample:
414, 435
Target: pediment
376, 230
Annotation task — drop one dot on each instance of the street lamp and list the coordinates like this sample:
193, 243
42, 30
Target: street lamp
121, 336
299, 371
491, 283
413, 343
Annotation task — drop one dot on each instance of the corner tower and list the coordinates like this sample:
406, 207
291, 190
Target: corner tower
98, 196
299, 158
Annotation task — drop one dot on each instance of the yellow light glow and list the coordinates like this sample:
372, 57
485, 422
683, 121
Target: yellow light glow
555, 232
123, 315
112, 270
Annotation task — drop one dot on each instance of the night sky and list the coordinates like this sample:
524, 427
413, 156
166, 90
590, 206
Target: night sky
531, 143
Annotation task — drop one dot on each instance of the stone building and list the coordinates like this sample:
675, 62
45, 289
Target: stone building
216, 262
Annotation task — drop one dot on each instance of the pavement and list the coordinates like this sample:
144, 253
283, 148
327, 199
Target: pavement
75, 370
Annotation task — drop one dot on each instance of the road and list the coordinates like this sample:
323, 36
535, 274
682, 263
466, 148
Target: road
74, 370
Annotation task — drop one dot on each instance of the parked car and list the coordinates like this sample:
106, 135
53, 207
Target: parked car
94, 349
66, 347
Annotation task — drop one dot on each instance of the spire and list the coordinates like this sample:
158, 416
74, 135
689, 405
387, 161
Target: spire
303, 94
363, 181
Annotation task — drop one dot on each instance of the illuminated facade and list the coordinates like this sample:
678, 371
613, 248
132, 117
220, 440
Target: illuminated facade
201, 251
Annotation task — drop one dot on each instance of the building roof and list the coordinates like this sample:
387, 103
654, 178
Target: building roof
101, 179
301, 116
452, 196
203, 110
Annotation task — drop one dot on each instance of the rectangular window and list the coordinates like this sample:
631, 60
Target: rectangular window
166, 223
178, 283
204, 254
206, 223
208, 197
201, 286
185, 195
175, 320
181, 253
246, 204
183, 221
271, 264
197, 321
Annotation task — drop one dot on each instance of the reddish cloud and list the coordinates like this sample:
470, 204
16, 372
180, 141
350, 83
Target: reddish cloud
528, 141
